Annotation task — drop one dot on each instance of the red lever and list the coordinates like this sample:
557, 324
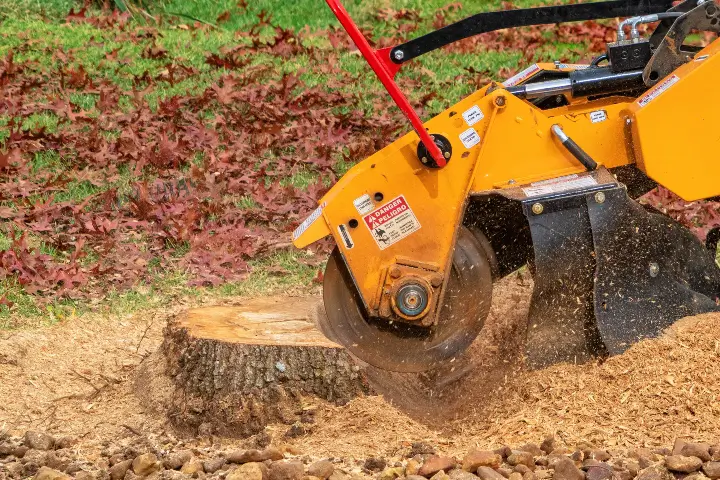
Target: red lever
386, 69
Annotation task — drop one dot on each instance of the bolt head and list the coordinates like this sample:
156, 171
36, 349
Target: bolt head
399, 55
447, 155
600, 197
654, 269
537, 208
500, 101
395, 272
436, 280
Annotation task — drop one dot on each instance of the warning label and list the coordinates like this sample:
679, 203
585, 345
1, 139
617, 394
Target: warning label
522, 76
557, 185
392, 222
658, 90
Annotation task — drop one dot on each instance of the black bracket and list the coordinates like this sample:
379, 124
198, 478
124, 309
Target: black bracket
491, 21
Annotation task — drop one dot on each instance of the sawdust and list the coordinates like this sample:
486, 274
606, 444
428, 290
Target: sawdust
77, 379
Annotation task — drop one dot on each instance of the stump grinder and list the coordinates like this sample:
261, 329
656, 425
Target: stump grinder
542, 170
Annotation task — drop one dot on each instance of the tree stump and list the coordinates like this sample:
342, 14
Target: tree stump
233, 370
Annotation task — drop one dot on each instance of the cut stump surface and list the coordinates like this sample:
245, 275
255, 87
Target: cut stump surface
234, 370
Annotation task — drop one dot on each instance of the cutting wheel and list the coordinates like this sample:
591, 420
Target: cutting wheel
402, 347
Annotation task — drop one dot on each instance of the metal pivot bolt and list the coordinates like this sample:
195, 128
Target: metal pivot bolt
395, 272
537, 208
500, 101
654, 269
600, 197
399, 55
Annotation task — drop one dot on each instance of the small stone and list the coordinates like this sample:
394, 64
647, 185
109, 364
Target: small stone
412, 467
639, 453
73, 468
117, 471
695, 476
487, 473
214, 464
529, 476
391, 473
457, 474
47, 473
175, 460
678, 446
338, 475
441, 475
481, 458
622, 474
532, 448
38, 440
83, 475
664, 452
415, 477
548, 445
19, 451
680, 463
542, 461
521, 458
578, 456
591, 462
515, 476
286, 470
521, 469
374, 464
505, 472
656, 472
712, 470
714, 453
434, 464
145, 464
421, 448
247, 471
323, 469
65, 442
115, 459
192, 466
699, 450
503, 451
543, 474
600, 455
565, 469
599, 472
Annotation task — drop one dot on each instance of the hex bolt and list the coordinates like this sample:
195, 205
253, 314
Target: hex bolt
537, 208
500, 101
654, 269
600, 197
399, 55
436, 280
447, 154
395, 272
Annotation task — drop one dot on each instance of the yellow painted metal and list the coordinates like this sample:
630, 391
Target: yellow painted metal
515, 147
676, 128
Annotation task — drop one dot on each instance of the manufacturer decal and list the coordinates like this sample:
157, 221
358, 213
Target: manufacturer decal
658, 90
473, 115
308, 221
702, 58
391, 222
557, 185
598, 116
522, 76
345, 235
469, 138
364, 204
572, 66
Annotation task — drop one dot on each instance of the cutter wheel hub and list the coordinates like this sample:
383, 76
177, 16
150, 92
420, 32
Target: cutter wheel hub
411, 346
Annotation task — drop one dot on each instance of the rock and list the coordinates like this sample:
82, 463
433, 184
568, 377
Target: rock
192, 466
83, 475
415, 477
412, 467
542, 461
457, 474
565, 469
505, 472
578, 456
543, 474
622, 474
639, 453
521, 469
421, 448
117, 458
441, 475
655, 472
286, 470
529, 476
699, 450
391, 473
19, 451
518, 457
214, 464
591, 462
695, 476
712, 470
325, 468
548, 445
175, 460
714, 453
145, 464
247, 471
374, 464
678, 446
599, 472
434, 464
117, 471
680, 463
338, 475
481, 458
532, 448
504, 451
65, 442
272, 453
600, 455
515, 476
662, 451
487, 473
247, 456
38, 440
47, 473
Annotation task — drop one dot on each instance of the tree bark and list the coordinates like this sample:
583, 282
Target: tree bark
234, 370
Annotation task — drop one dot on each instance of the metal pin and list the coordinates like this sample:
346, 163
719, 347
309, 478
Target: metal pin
537, 208
600, 197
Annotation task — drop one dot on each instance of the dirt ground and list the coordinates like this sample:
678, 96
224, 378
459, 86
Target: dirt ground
77, 379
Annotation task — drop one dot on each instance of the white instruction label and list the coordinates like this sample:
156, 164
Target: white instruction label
364, 204
598, 116
473, 115
392, 222
308, 221
469, 138
522, 76
658, 90
557, 185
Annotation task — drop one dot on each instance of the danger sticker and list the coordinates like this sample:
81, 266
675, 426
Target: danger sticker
469, 138
598, 116
308, 221
557, 185
473, 115
392, 222
364, 204
658, 90
522, 76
